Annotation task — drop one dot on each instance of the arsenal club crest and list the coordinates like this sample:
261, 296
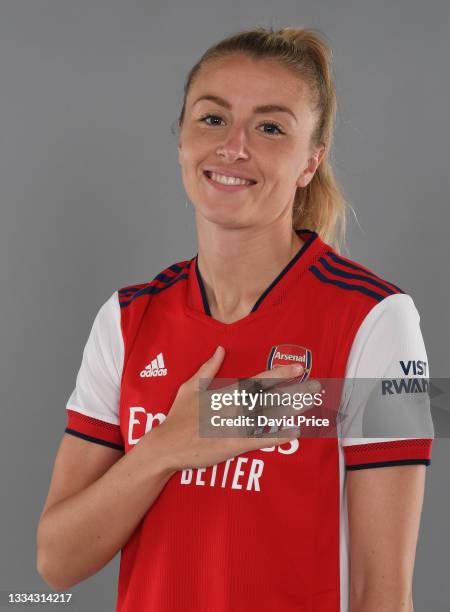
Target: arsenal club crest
288, 354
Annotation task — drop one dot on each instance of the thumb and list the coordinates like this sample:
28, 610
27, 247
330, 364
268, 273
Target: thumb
210, 368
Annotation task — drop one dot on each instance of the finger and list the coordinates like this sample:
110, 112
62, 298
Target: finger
292, 399
250, 386
209, 369
270, 378
308, 386
265, 440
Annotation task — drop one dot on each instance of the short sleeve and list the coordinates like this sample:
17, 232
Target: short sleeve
93, 406
387, 361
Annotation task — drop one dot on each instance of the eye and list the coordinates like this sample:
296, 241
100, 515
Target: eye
272, 124
275, 125
205, 117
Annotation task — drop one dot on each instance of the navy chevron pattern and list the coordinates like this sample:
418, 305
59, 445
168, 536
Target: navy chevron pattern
352, 275
352, 266
165, 279
335, 270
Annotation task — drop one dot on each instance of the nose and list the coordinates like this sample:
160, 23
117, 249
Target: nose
234, 145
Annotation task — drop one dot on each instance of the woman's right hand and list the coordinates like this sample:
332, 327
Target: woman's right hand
178, 434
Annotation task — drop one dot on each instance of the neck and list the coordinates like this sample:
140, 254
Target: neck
237, 265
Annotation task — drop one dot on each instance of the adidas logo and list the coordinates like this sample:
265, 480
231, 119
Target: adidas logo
154, 368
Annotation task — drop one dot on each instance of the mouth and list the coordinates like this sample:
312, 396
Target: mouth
227, 183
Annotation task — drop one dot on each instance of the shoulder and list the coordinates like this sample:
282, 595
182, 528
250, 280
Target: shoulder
346, 280
134, 300
138, 293
389, 341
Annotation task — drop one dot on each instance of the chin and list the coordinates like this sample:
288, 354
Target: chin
228, 217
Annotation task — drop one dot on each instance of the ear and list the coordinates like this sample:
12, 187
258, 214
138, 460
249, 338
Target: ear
179, 152
307, 174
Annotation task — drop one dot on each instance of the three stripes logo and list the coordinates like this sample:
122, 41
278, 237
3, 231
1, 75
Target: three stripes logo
341, 272
156, 367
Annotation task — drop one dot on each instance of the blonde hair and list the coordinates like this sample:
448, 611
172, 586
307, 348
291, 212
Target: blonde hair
321, 205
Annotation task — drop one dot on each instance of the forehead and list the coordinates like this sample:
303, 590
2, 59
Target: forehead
243, 80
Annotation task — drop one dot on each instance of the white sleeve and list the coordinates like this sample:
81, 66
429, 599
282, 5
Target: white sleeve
387, 348
97, 389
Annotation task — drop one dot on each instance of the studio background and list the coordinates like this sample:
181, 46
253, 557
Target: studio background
91, 199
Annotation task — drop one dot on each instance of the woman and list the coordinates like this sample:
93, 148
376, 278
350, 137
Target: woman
242, 524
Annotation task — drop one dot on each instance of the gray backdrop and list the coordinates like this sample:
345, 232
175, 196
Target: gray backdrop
91, 199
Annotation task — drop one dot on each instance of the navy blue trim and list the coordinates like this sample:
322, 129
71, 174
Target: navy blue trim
138, 290
175, 268
366, 279
296, 257
353, 266
301, 251
271, 354
163, 278
153, 290
77, 434
343, 285
201, 285
294, 260
363, 466
128, 290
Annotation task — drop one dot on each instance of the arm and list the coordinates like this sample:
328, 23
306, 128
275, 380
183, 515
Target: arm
384, 507
96, 499
97, 496
384, 503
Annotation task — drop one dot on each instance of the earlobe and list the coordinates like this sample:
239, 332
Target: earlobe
313, 163
307, 174
303, 181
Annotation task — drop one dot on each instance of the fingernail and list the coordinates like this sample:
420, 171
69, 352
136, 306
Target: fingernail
314, 386
297, 368
217, 350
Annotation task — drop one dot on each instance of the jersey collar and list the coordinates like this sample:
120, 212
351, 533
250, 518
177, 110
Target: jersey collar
197, 301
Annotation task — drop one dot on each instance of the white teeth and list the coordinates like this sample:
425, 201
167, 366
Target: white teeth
228, 180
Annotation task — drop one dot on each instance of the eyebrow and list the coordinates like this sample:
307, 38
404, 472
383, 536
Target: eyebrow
266, 108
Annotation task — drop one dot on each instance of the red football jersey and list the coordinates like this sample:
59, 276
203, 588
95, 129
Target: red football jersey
266, 530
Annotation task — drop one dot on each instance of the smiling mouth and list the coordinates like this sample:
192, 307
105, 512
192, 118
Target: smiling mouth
227, 180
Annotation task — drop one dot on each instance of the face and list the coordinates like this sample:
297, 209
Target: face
227, 130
